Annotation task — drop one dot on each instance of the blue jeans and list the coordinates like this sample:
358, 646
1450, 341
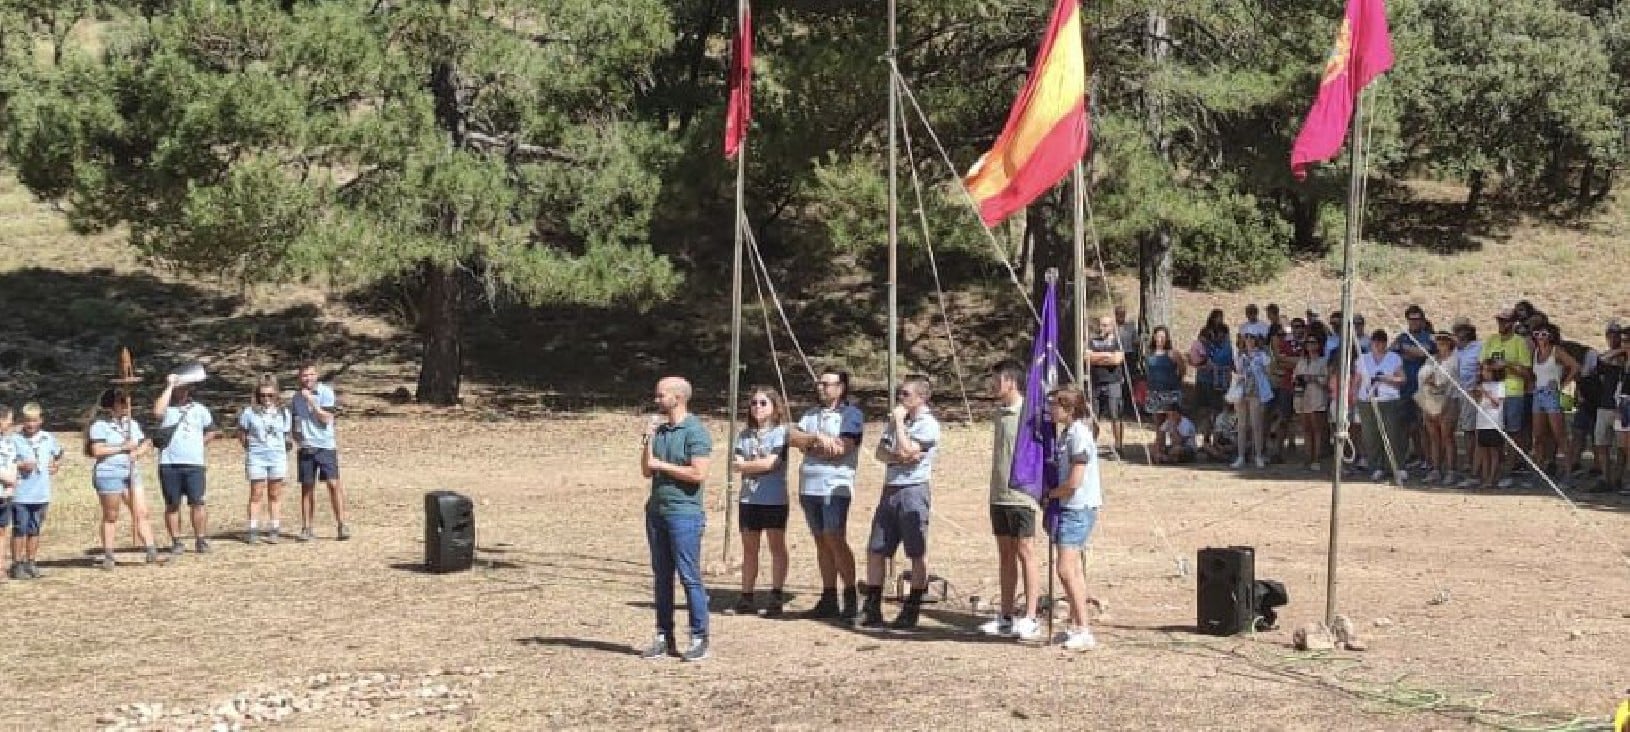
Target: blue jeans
676, 546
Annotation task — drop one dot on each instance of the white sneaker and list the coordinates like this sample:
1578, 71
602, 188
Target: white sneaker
1079, 639
1238, 463
1027, 629
998, 626
1261, 462
1378, 476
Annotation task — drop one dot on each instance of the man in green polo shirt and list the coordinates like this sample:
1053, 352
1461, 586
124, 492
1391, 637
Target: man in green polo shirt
1509, 353
1012, 512
674, 455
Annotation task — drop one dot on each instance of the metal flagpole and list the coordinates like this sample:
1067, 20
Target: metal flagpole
894, 207
735, 323
1348, 340
1081, 273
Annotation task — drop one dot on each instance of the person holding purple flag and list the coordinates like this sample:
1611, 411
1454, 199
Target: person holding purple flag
1012, 511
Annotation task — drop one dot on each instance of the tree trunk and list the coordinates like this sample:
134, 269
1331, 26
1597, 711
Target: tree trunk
1587, 182
441, 304
1155, 280
441, 315
1048, 250
1474, 196
1155, 247
1304, 218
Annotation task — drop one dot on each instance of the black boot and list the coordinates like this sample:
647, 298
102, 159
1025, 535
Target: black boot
871, 614
773, 610
827, 608
851, 605
907, 619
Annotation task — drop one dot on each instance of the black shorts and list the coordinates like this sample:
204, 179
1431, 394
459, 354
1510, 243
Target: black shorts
755, 517
1489, 438
1108, 401
1013, 521
182, 481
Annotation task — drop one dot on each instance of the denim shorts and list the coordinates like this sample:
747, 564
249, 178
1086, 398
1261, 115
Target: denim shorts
181, 481
826, 515
1547, 401
1515, 412
901, 518
266, 469
110, 486
27, 518
1075, 527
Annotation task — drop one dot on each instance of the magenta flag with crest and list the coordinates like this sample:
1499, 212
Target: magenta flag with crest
1363, 51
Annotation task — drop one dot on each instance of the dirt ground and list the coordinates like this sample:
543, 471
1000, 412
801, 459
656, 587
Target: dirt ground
1476, 607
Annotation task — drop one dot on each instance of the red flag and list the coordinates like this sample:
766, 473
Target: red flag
1363, 51
1046, 132
741, 85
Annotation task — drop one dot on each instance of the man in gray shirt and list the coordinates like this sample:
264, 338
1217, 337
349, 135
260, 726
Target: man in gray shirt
908, 448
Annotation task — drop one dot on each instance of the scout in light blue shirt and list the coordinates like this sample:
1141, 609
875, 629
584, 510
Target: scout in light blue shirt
770, 488
182, 464
312, 432
192, 421
39, 456
115, 431
266, 435
40, 448
908, 449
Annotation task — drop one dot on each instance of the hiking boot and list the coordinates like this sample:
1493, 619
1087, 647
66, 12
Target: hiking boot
253, 537
305, 535
177, 548
271, 536
18, 571
909, 611
344, 533
871, 612
773, 610
107, 562
851, 605
201, 546
743, 606
696, 652
32, 569
152, 554
826, 609
661, 647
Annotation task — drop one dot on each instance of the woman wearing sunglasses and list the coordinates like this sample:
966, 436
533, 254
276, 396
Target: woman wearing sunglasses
116, 441
1553, 370
761, 459
263, 429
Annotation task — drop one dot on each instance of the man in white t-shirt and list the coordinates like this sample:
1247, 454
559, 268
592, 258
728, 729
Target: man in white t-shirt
183, 460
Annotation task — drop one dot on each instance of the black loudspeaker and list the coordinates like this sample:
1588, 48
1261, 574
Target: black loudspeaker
1227, 589
449, 532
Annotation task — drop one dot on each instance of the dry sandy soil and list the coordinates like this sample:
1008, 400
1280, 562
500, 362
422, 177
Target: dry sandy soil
1501, 609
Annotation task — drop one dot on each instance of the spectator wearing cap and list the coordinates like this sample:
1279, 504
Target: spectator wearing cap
1513, 363
1414, 345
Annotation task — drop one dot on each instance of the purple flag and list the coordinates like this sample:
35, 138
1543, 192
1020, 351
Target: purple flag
1033, 450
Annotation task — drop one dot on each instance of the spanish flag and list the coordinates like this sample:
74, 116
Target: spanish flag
1046, 133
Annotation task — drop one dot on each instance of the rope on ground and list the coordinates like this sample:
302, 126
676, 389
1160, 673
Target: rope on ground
933, 266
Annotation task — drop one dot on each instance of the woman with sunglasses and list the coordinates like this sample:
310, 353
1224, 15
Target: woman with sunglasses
115, 441
1553, 370
761, 459
264, 430
1310, 384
